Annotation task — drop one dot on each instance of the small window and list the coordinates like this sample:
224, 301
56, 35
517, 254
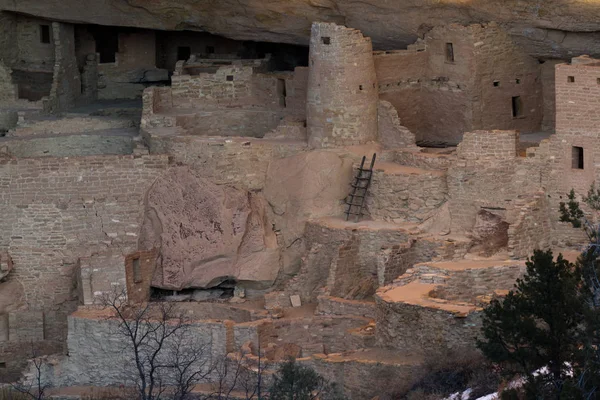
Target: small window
45, 33
598, 81
326, 40
210, 49
517, 107
577, 157
137, 271
229, 78
518, 81
570, 79
360, 87
496, 83
184, 53
2, 364
449, 52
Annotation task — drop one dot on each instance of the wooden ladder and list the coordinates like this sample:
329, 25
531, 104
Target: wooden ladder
356, 200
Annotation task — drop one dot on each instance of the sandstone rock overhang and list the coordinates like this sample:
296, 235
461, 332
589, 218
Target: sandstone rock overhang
549, 29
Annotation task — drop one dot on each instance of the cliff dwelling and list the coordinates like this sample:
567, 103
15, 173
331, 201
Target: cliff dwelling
349, 195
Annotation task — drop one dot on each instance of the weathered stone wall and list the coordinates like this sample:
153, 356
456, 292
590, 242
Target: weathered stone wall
57, 210
577, 89
399, 193
8, 37
66, 79
495, 145
69, 146
549, 94
33, 53
98, 356
8, 90
342, 87
439, 96
237, 162
328, 305
200, 43
435, 331
392, 134
229, 85
532, 227
502, 72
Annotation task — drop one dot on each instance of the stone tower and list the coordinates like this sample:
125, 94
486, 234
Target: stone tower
342, 87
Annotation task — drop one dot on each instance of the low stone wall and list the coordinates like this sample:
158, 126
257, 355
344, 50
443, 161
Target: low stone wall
328, 305
312, 334
69, 146
236, 122
435, 331
98, 356
400, 194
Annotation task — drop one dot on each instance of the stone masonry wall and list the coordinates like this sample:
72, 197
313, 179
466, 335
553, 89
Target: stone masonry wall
399, 193
97, 356
58, 210
342, 87
577, 89
497, 145
502, 72
239, 162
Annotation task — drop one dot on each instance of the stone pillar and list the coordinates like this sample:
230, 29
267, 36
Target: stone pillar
342, 87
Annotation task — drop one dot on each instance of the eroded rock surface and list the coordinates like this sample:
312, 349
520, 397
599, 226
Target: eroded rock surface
207, 233
550, 28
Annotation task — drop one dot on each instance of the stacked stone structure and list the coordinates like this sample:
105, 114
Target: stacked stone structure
233, 190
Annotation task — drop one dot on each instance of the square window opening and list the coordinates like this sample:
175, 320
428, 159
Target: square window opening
184, 53
449, 52
598, 81
570, 79
360, 87
210, 49
137, 270
326, 40
577, 157
518, 81
45, 33
517, 107
2, 364
229, 78
496, 83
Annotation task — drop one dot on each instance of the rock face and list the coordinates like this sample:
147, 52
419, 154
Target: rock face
305, 186
207, 234
549, 28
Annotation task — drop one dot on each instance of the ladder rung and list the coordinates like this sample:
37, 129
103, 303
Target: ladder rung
358, 187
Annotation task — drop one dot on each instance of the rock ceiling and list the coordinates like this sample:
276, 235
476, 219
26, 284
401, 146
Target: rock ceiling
547, 28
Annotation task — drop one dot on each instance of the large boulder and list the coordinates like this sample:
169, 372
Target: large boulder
207, 234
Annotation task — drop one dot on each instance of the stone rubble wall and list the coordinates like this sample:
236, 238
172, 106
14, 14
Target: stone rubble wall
532, 228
